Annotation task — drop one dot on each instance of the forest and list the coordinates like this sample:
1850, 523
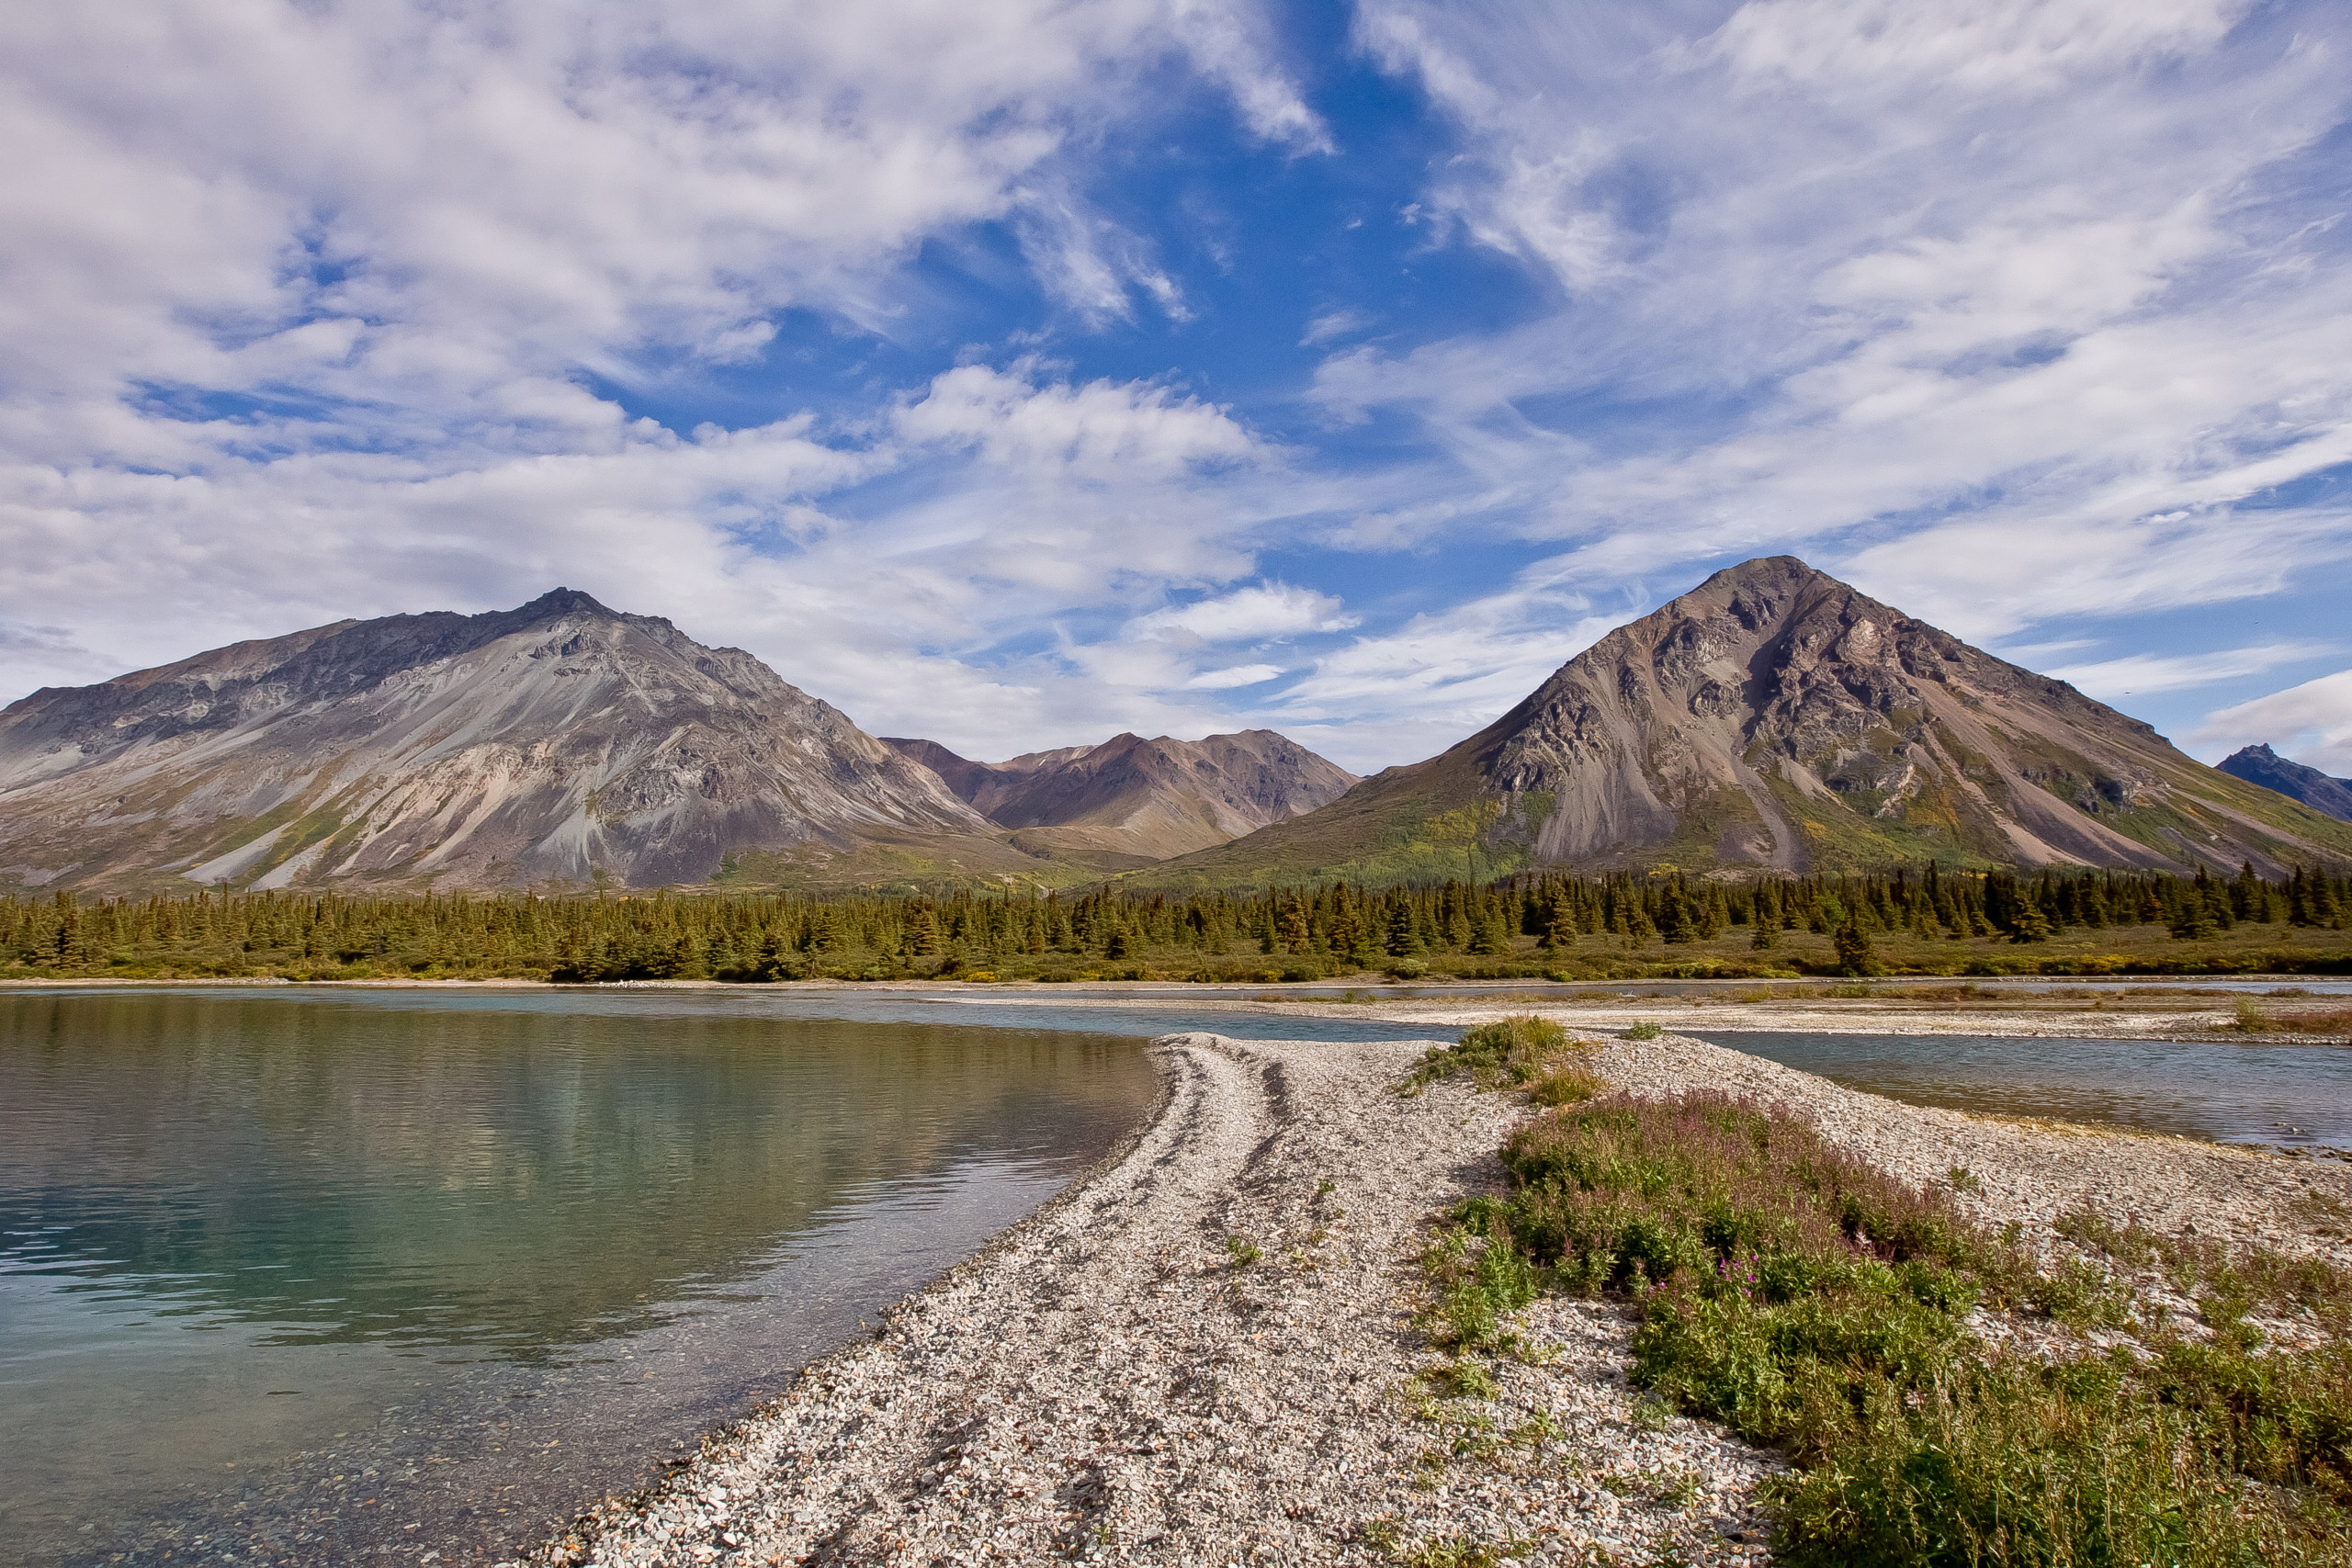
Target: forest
1930, 920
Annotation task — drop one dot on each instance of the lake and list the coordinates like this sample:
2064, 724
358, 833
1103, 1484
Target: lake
302, 1277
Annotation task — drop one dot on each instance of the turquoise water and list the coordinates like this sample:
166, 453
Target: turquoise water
303, 1276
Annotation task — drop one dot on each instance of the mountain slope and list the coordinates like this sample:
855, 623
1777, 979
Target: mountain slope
1775, 719
2261, 765
1141, 800
562, 743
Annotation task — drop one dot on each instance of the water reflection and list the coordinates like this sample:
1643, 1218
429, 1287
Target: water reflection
283, 1234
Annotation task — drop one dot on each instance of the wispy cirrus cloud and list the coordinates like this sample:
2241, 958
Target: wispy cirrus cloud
2113, 680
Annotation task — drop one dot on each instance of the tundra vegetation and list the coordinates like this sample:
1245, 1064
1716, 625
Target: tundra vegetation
2158, 1400
1932, 920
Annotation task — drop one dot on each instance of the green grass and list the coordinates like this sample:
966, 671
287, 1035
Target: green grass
1814, 1305
1524, 1052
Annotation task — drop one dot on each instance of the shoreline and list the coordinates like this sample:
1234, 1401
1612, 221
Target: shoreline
1114, 1380
2012, 1008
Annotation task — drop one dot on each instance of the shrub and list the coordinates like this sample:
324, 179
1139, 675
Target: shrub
1514, 1052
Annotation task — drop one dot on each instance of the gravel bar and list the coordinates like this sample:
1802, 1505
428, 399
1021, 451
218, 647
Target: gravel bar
1206, 1353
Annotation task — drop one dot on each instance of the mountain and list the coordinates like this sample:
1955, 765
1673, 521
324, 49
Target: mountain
2261, 765
1775, 719
558, 744
1131, 801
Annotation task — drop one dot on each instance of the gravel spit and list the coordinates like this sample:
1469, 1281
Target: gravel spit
1207, 1353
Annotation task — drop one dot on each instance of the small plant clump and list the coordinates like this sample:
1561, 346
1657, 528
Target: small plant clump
2252, 1019
1814, 1303
1478, 1279
1643, 1030
1523, 1052
1241, 1252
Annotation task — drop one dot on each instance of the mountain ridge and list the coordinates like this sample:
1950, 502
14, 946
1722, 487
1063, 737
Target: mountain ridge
1771, 720
1776, 720
559, 743
2260, 765
1137, 798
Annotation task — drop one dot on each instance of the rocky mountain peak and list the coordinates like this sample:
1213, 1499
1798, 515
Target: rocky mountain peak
2261, 765
557, 742
1143, 799
558, 601
1775, 718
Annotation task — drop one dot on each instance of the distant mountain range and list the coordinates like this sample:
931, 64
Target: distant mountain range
1771, 719
1139, 801
2261, 765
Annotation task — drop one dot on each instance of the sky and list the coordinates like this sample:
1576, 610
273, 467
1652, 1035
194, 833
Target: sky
1016, 372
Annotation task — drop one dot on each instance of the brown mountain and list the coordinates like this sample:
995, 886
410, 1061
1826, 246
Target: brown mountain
1774, 718
1131, 801
559, 743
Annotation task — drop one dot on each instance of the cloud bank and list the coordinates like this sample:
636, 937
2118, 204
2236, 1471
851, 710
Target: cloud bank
1017, 372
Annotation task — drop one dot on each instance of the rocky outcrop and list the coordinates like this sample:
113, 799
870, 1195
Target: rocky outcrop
1142, 799
1775, 719
562, 743
2261, 765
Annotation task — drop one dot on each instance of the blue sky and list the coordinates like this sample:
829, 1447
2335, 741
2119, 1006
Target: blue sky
1016, 373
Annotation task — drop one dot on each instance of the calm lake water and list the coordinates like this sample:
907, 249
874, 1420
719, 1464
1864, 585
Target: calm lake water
302, 1277
2284, 1095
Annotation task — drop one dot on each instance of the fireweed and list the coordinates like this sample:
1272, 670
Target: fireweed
1815, 1305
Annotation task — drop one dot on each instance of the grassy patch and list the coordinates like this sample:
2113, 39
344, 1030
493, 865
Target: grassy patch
1515, 1052
2331, 1024
1477, 1280
1813, 1304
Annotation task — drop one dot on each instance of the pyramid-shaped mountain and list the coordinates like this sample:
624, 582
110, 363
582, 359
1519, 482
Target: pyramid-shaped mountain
559, 744
1774, 718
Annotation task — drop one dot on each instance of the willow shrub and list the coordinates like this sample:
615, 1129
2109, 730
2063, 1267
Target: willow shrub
1814, 1303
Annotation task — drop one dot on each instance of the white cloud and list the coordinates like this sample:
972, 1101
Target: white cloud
2141, 674
1994, 282
1345, 321
2311, 724
1102, 428
1238, 675
1994, 46
1250, 615
1229, 42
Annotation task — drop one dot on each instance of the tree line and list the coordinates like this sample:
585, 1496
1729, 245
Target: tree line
1532, 919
